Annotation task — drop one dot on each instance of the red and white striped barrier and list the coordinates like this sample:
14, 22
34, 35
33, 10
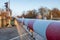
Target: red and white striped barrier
48, 29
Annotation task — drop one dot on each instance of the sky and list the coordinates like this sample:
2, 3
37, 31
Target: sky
18, 6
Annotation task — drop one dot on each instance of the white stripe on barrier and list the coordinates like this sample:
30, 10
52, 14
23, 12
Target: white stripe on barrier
40, 27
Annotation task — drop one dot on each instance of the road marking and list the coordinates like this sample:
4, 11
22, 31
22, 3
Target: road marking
19, 36
24, 34
26, 29
15, 38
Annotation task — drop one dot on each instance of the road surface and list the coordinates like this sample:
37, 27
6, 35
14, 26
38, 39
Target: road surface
17, 32
14, 33
24, 35
8, 33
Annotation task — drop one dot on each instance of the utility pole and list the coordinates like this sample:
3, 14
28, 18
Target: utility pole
7, 5
8, 10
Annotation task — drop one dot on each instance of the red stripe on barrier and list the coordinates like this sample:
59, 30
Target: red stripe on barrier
53, 31
30, 24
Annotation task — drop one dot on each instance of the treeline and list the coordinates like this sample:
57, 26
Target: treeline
43, 12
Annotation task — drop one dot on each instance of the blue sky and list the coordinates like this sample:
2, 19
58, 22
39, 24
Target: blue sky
18, 6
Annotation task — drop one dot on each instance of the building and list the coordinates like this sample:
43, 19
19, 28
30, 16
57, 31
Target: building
4, 19
5, 16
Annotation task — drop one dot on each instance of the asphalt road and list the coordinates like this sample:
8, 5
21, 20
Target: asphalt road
8, 33
15, 33
24, 35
